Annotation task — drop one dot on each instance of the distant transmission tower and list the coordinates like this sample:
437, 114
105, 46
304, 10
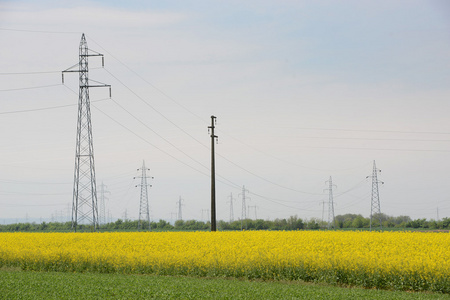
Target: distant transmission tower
244, 209
84, 204
103, 191
179, 203
231, 208
255, 208
144, 211
331, 219
375, 200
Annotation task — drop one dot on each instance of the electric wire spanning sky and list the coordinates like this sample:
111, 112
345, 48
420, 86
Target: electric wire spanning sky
302, 90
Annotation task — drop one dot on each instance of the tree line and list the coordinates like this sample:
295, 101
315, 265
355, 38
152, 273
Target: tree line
347, 221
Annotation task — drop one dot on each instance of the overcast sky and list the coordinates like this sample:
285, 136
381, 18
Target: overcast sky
302, 90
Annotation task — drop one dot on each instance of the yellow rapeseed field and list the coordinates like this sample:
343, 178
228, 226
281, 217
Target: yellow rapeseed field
396, 260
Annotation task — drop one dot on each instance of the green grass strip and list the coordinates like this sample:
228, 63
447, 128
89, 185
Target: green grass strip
16, 284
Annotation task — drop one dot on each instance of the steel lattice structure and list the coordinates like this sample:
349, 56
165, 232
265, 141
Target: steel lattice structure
144, 208
244, 209
331, 219
84, 203
375, 207
102, 210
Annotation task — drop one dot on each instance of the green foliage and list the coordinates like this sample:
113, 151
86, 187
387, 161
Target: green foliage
53, 285
347, 221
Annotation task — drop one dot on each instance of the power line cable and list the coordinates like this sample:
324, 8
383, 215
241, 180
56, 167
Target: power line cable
151, 84
40, 31
159, 135
381, 149
30, 88
276, 201
291, 163
45, 108
230, 183
371, 139
154, 109
368, 130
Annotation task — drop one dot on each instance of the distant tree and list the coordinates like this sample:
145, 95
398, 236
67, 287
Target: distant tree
313, 224
179, 224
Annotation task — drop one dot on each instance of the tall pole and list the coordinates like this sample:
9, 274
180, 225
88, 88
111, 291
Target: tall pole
331, 219
231, 208
84, 201
213, 175
375, 199
244, 209
179, 215
102, 211
144, 209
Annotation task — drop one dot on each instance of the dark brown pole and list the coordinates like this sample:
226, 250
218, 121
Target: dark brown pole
213, 176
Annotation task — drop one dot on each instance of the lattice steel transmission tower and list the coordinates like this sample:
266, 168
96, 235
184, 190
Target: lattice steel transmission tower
331, 219
144, 209
102, 210
250, 208
231, 207
375, 199
84, 204
244, 209
180, 213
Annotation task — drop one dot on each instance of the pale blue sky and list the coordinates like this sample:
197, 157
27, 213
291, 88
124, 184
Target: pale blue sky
302, 90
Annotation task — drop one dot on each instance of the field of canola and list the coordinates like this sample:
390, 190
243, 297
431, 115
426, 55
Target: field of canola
392, 260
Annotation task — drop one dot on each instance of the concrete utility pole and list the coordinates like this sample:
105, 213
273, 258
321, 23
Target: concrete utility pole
375, 200
84, 203
213, 175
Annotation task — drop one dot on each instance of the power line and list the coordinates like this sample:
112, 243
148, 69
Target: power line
279, 202
40, 31
31, 87
30, 182
381, 149
37, 72
155, 110
160, 136
45, 108
170, 121
266, 180
29, 73
230, 183
369, 130
291, 163
151, 84
371, 139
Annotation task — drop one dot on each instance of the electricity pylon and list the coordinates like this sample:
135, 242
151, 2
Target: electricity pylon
244, 208
375, 200
180, 213
144, 211
331, 219
231, 208
103, 191
84, 203
249, 209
